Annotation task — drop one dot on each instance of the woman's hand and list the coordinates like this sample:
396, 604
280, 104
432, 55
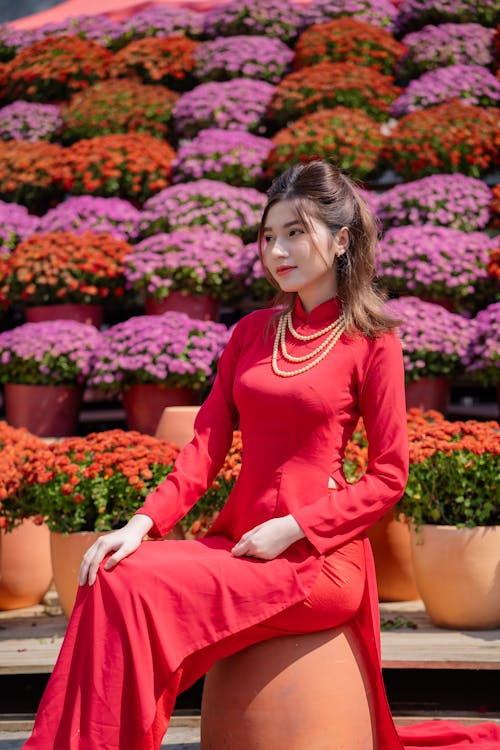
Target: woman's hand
269, 539
122, 542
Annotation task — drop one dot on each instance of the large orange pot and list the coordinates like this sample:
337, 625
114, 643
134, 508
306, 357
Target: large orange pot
458, 574
177, 424
67, 551
390, 541
25, 566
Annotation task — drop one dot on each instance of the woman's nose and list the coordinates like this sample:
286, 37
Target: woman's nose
278, 250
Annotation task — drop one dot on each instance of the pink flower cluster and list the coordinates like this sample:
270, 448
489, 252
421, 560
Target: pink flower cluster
483, 355
258, 57
87, 213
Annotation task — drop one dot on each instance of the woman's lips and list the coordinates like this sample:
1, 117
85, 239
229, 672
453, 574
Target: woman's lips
282, 270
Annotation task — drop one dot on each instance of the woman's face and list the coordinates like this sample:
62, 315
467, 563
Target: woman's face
301, 258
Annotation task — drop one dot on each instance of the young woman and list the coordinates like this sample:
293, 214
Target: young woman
288, 553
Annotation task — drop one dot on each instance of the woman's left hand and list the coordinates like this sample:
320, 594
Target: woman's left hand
269, 539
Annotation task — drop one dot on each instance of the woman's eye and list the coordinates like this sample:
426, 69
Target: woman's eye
267, 239
295, 231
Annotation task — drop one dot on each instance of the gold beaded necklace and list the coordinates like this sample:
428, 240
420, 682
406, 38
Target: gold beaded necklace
334, 331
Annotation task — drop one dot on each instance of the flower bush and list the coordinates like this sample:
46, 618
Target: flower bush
27, 121
169, 61
243, 57
447, 44
483, 356
435, 341
197, 260
348, 40
62, 267
172, 349
231, 156
239, 104
454, 469
54, 68
16, 224
132, 166
471, 84
87, 213
328, 85
380, 13
118, 106
31, 173
12, 40
449, 200
413, 14
207, 203
18, 447
161, 22
274, 18
451, 137
55, 352
94, 483
96, 28
347, 136
436, 262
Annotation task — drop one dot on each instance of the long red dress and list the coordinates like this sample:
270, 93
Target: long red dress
159, 620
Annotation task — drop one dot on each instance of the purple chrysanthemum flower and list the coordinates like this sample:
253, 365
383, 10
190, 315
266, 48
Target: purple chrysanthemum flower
413, 14
29, 121
85, 213
377, 12
275, 18
163, 22
243, 57
16, 224
96, 28
483, 355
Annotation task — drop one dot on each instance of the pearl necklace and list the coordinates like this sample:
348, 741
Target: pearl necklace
334, 331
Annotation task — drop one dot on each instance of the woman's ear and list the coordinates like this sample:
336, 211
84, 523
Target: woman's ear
341, 241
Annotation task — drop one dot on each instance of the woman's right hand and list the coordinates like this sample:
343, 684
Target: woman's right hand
121, 542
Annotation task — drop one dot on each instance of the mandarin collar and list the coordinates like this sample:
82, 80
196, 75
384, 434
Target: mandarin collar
326, 311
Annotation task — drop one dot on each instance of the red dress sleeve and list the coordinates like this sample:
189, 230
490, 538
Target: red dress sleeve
199, 461
344, 513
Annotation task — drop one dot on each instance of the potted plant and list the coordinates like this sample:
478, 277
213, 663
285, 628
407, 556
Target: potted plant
207, 203
417, 13
327, 85
27, 121
64, 275
452, 500
380, 13
438, 264
447, 200
274, 18
25, 568
435, 343
88, 213
31, 173
190, 270
44, 367
157, 361
226, 57
16, 224
346, 39
83, 487
161, 21
483, 355
168, 61
348, 136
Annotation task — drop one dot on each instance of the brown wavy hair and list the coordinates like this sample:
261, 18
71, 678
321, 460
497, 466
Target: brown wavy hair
319, 190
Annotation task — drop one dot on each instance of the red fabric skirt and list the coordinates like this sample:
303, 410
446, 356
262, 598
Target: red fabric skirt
136, 639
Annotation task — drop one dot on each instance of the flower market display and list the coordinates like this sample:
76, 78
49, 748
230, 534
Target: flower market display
328, 85
231, 156
451, 137
483, 356
437, 263
171, 349
446, 44
117, 106
196, 260
261, 57
471, 84
238, 104
28, 121
60, 267
448, 200
86, 213
349, 137
435, 341
94, 483
169, 61
53, 69
132, 166
274, 18
55, 352
204, 202
348, 40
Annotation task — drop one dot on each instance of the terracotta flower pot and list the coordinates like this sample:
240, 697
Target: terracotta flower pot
67, 551
458, 574
25, 566
177, 424
390, 541
145, 403
82, 313
199, 307
45, 410
428, 393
